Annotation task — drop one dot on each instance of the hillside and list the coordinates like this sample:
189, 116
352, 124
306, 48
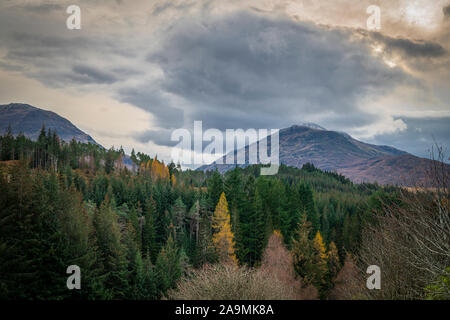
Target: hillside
336, 151
26, 119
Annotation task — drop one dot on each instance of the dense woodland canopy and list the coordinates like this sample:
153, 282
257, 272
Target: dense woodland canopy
135, 231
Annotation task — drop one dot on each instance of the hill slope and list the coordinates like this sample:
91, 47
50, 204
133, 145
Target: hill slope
336, 151
29, 120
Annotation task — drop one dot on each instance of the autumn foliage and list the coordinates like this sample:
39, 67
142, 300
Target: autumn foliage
223, 238
277, 262
158, 170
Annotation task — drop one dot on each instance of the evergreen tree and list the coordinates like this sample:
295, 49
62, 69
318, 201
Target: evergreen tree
148, 289
179, 217
167, 268
307, 205
303, 252
215, 188
149, 244
205, 251
233, 192
112, 252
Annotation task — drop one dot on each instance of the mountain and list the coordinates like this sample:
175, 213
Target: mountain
28, 120
337, 151
299, 144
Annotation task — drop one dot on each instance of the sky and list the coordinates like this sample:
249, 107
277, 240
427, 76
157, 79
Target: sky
139, 69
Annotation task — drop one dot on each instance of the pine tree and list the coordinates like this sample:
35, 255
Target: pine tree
233, 192
179, 217
205, 251
307, 205
148, 290
215, 188
223, 238
149, 244
168, 269
112, 252
303, 252
253, 225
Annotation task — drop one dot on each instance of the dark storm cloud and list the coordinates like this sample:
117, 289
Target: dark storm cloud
164, 6
239, 70
87, 74
410, 48
43, 7
344, 121
22, 45
446, 11
245, 70
153, 101
56, 58
160, 137
421, 134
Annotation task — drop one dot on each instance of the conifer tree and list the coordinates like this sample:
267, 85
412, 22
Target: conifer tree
223, 238
205, 251
233, 192
215, 188
320, 262
149, 244
334, 264
303, 252
179, 217
112, 252
168, 269
307, 205
149, 290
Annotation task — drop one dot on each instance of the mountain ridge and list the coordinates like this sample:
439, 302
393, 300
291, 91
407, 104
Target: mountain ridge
299, 144
27, 119
336, 151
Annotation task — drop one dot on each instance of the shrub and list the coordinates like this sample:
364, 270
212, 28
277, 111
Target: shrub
227, 282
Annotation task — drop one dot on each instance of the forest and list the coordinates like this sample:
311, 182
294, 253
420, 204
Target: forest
150, 230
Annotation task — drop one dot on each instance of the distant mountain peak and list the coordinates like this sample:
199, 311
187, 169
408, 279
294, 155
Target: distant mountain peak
337, 151
27, 119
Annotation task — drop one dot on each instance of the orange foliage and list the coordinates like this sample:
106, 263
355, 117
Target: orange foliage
157, 169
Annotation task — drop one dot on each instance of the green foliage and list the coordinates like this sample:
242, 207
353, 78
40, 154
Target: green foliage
133, 235
149, 245
168, 268
215, 189
440, 290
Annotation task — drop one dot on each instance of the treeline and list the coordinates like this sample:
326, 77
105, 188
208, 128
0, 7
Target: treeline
134, 233
51, 153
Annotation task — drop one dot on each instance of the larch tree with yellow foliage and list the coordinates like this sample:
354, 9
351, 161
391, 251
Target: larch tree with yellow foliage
320, 263
158, 170
223, 238
334, 263
310, 257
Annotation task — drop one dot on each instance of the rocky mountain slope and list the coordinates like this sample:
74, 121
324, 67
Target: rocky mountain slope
337, 151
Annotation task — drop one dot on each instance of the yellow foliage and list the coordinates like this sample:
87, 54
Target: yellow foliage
333, 260
174, 180
278, 233
223, 238
157, 169
320, 246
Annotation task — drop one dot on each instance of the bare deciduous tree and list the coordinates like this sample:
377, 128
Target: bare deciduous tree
410, 239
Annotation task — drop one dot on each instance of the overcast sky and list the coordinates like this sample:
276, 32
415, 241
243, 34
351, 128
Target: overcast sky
138, 69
